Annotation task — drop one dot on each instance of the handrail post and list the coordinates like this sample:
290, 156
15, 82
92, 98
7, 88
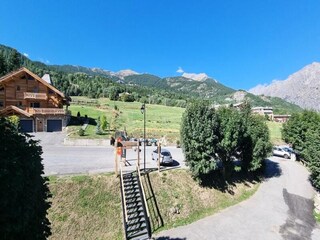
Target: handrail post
159, 155
138, 150
116, 159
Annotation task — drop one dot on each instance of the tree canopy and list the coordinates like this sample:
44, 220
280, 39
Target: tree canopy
24, 193
213, 139
302, 131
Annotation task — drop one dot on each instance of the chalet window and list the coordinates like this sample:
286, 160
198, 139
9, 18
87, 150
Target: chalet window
1, 103
35, 105
50, 91
30, 77
1, 89
18, 88
35, 89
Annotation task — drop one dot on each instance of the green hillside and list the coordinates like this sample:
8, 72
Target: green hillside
169, 91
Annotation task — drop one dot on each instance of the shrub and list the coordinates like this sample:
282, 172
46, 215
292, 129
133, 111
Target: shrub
24, 192
81, 132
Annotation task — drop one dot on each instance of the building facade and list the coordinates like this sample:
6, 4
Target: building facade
40, 106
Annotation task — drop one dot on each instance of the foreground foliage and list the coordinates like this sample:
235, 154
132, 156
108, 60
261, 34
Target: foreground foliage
89, 207
24, 193
302, 131
213, 139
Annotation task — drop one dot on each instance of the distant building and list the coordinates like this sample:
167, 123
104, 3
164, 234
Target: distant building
281, 118
264, 111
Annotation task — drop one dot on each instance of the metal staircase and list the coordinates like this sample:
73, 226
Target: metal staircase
134, 205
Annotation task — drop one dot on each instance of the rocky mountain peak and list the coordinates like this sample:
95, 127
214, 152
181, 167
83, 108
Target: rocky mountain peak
301, 87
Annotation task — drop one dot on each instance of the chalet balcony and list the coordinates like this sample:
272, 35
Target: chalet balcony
36, 96
48, 111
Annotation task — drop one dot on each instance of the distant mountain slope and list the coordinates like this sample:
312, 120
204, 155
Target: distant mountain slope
301, 88
174, 91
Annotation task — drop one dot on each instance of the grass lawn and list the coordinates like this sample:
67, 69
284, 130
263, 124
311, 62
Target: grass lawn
89, 207
160, 120
275, 133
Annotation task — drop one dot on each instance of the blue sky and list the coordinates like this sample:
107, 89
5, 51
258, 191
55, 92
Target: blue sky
239, 43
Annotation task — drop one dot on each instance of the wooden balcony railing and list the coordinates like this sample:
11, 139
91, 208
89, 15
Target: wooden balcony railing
48, 111
38, 96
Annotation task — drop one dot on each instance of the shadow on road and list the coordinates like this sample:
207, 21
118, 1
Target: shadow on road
272, 169
300, 221
175, 163
169, 238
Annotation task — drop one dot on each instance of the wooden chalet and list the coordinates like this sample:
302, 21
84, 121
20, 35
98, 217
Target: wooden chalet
39, 105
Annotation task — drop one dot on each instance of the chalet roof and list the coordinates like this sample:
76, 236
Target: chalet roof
11, 109
9, 77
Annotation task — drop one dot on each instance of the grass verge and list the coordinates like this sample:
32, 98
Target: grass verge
275, 133
89, 207
316, 216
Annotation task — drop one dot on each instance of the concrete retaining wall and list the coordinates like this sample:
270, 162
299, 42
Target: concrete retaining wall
86, 142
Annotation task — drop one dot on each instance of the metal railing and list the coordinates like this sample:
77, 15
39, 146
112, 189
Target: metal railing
124, 195
52, 111
39, 96
144, 200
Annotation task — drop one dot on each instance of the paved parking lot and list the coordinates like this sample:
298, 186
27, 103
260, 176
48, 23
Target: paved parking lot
59, 159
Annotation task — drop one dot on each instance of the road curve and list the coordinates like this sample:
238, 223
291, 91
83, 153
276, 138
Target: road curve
280, 209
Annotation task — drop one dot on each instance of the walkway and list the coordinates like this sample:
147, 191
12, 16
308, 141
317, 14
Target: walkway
281, 209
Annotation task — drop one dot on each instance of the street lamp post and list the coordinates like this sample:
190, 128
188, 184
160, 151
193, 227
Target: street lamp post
143, 111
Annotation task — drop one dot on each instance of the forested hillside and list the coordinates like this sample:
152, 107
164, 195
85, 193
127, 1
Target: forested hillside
171, 91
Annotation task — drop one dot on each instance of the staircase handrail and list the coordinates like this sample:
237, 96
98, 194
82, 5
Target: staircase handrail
124, 196
144, 200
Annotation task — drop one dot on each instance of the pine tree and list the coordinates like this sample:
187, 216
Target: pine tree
24, 192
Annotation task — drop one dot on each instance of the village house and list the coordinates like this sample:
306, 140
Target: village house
38, 104
264, 111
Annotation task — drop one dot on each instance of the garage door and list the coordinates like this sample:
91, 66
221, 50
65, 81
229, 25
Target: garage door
54, 125
26, 125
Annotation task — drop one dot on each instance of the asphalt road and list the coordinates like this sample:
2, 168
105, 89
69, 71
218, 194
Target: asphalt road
281, 209
59, 159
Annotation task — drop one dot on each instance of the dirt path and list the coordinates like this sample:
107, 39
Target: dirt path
281, 209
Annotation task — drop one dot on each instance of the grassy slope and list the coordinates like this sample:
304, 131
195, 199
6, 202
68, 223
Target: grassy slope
85, 207
275, 132
89, 207
160, 120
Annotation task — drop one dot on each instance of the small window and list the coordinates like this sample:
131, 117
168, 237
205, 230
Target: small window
30, 78
35, 89
1, 103
18, 88
1, 89
50, 91
35, 105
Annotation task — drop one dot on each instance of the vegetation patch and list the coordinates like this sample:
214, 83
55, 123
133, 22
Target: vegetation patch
181, 200
89, 207
85, 207
161, 121
275, 132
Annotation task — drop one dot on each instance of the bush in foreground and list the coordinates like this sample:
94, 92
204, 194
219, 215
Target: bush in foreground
24, 191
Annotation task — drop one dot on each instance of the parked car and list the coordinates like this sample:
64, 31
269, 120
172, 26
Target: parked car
165, 156
152, 142
282, 152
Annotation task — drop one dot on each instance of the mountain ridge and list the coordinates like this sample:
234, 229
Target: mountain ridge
301, 88
173, 91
